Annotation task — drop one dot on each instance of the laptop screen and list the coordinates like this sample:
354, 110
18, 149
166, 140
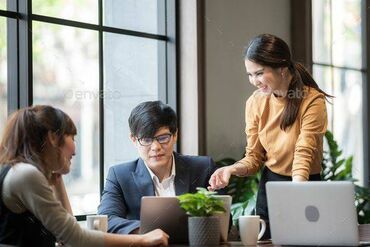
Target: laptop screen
312, 213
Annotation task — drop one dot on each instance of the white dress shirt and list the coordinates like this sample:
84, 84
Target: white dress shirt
167, 186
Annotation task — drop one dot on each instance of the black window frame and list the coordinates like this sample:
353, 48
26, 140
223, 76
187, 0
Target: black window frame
20, 69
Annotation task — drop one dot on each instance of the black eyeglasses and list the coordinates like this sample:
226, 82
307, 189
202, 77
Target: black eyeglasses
162, 139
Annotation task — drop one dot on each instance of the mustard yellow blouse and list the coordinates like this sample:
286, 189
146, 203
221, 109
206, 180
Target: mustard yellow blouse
296, 151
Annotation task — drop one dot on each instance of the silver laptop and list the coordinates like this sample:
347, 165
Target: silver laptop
165, 213
312, 213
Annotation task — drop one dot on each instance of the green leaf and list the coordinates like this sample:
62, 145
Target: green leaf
336, 168
201, 203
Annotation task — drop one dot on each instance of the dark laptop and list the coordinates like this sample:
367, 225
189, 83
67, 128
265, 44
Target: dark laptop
164, 213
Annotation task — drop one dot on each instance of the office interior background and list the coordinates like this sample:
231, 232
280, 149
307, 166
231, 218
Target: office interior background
97, 59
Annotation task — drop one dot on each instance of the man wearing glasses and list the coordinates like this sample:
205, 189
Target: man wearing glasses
158, 171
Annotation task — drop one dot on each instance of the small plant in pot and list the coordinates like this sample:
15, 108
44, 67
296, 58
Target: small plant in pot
203, 223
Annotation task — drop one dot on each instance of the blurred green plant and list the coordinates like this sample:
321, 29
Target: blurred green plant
243, 191
202, 203
334, 168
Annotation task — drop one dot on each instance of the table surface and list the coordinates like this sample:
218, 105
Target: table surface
235, 243
364, 234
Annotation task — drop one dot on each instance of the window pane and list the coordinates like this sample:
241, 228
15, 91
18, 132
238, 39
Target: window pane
346, 122
3, 5
133, 68
65, 68
139, 15
323, 76
3, 74
321, 29
348, 116
347, 33
77, 10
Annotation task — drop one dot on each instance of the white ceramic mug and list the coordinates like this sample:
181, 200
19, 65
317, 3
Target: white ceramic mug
97, 222
249, 229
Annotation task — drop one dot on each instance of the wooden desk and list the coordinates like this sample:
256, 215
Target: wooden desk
364, 231
239, 243
234, 244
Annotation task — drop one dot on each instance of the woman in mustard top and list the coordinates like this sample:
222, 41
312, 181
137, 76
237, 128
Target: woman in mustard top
286, 121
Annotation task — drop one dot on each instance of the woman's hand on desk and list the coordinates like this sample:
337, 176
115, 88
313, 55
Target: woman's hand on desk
155, 238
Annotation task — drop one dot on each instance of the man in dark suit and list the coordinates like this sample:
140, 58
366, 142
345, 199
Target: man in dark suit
159, 171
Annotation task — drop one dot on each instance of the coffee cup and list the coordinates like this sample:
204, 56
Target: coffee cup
249, 229
97, 222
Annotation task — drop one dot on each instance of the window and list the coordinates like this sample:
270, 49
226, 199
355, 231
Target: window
3, 71
68, 10
142, 15
3, 6
95, 65
338, 55
66, 75
145, 63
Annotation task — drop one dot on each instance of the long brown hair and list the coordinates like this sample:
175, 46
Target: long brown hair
26, 131
269, 50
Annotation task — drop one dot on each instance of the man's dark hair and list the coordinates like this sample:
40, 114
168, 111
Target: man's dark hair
148, 117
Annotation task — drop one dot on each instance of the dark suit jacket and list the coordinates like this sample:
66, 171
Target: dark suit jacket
127, 183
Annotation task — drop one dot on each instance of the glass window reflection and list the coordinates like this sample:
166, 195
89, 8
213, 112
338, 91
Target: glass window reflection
140, 15
3, 5
66, 74
337, 45
346, 48
81, 10
348, 116
3, 74
132, 75
321, 29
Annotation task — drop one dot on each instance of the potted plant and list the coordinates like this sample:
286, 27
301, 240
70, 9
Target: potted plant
204, 225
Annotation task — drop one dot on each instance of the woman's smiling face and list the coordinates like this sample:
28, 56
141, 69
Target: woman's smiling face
267, 79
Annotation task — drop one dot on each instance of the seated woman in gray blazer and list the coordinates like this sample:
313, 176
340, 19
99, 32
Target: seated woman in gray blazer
35, 152
159, 171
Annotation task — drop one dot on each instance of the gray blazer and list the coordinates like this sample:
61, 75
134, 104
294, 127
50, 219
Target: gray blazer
127, 183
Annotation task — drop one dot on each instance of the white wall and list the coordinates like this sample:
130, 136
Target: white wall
229, 25
188, 75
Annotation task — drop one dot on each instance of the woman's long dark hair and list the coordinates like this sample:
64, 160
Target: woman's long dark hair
26, 131
269, 50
